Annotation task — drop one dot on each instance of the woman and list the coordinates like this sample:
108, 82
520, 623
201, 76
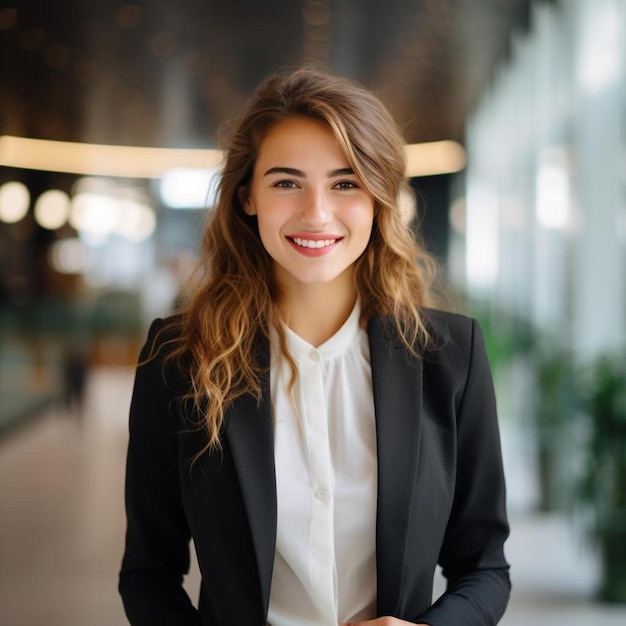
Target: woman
323, 436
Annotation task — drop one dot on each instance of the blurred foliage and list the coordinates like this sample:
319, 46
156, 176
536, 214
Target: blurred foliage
580, 429
603, 483
557, 404
557, 385
605, 404
506, 336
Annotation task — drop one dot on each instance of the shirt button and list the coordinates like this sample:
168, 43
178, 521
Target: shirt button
315, 356
321, 494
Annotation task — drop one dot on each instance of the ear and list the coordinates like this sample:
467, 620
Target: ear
243, 195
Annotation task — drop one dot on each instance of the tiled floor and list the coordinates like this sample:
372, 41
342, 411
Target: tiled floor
62, 526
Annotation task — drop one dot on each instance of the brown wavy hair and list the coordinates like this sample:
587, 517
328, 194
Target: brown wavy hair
235, 298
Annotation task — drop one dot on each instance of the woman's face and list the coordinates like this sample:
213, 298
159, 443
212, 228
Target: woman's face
314, 213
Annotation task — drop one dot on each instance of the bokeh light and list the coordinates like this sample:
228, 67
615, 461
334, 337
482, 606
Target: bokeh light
69, 256
14, 202
94, 213
137, 220
186, 188
52, 209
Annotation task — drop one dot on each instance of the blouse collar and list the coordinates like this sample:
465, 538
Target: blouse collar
333, 347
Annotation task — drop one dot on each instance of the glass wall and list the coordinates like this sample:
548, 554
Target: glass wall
541, 251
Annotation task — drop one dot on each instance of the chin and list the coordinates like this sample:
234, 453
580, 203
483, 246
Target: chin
314, 279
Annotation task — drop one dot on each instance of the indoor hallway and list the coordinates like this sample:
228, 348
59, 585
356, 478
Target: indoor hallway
62, 528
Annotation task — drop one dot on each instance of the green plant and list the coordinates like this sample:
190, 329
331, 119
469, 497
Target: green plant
557, 402
506, 336
603, 484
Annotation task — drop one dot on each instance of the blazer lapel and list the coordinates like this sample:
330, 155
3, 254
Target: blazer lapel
250, 435
397, 384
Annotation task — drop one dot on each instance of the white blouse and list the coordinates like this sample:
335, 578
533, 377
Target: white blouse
326, 482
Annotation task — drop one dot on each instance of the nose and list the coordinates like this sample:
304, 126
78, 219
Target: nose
316, 208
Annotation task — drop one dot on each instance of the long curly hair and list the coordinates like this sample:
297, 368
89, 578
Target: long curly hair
235, 299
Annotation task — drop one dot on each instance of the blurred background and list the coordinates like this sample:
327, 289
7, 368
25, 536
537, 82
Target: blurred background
514, 115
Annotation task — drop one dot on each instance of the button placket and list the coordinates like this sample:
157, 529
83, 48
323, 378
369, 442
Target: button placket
322, 527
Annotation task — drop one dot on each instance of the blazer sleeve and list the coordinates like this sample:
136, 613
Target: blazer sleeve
472, 556
156, 556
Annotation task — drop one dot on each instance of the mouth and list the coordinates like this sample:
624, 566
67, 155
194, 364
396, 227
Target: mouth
313, 243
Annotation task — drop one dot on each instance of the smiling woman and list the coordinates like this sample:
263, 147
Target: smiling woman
325, 436
315, 218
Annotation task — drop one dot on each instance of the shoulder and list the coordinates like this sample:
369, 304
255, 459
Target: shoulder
164, 338
455, 339
446, 327
446, 331
455, 362
162, 354
163, 331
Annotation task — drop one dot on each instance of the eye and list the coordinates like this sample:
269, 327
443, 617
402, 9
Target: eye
285, 184
346, 184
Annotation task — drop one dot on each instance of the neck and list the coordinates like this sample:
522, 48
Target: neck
316, 312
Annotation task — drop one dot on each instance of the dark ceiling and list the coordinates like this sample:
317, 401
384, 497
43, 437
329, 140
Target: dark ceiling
167, 72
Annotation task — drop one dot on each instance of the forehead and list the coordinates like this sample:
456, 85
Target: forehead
300, 138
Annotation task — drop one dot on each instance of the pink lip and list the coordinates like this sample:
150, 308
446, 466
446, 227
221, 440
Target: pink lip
313, 252
313, 236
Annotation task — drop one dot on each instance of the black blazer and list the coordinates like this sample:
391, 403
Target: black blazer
441, 493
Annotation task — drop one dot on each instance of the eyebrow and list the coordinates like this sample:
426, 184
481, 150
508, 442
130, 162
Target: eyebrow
344, 171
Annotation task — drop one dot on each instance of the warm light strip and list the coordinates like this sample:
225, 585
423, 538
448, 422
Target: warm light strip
435, 157
100, 160
425, 159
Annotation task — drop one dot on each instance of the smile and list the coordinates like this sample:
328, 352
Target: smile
311, 243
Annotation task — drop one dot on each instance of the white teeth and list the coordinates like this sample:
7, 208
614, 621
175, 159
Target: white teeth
310, 243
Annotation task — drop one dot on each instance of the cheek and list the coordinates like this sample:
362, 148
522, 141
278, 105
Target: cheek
270, 219
359, 216
277, 214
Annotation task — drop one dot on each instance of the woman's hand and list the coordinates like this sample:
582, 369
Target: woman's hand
381, 621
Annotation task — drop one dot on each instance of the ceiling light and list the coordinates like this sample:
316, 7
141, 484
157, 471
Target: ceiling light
99, 159
435, 157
